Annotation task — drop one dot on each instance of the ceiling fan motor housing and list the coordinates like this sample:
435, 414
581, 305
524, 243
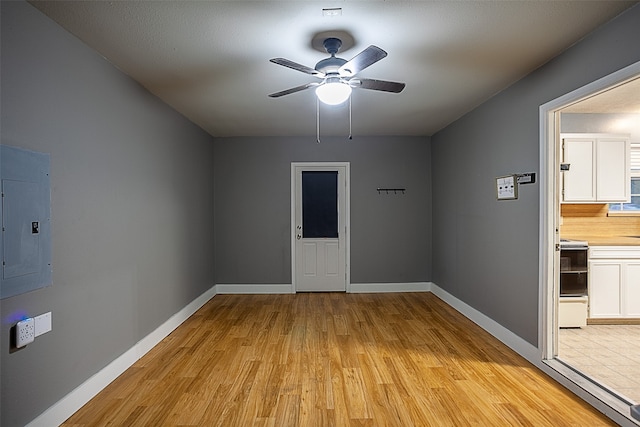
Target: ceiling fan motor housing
332, 64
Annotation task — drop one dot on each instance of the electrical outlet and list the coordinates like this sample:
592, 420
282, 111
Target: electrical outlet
25, 332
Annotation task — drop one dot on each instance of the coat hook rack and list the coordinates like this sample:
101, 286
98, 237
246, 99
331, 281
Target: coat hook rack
387, 190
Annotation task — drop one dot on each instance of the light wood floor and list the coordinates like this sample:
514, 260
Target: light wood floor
333, 360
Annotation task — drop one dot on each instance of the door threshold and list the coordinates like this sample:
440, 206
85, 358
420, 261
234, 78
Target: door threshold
608, 398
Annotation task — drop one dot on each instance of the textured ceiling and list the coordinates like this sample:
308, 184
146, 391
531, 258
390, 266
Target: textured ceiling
210, 59
624, 98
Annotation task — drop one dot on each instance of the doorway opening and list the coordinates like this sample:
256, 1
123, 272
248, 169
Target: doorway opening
555, 340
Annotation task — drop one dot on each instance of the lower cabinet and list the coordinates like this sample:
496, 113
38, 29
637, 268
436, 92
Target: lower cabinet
614, 283
632, 289
605, 289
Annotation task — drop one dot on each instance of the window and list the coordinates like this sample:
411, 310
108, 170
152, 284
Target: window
319, 204
634, 205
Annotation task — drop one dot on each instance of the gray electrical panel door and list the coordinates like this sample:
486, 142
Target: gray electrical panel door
26, 229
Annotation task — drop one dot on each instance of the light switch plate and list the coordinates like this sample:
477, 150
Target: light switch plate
507, 187
42, 324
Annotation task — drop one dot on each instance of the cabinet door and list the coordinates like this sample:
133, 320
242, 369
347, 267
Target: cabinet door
604, 289
612, 170
579, 180
632, 289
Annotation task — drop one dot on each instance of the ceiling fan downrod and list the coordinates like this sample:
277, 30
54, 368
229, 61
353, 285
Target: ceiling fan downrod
332, 45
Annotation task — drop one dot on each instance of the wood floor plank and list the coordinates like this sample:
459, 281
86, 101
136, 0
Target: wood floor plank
333, 359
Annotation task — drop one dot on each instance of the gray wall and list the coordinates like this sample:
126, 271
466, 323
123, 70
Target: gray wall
390, 234
132, 209
132, 202
485, 251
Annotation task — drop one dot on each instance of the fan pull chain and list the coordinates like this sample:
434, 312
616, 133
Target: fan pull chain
350, 134
317, 120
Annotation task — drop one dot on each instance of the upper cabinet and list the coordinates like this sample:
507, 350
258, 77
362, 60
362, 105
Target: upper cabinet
599, 168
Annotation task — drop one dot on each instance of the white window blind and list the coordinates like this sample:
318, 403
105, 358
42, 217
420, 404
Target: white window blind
634, 206
635, 159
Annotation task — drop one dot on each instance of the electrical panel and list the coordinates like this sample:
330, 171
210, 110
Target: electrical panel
26, 221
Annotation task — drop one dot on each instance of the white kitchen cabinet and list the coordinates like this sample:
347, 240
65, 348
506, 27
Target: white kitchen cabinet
599, 168
605, 289
614, 282
632, 289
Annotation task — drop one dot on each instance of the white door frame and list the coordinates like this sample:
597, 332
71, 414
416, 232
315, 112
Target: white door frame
347, 216
549, 264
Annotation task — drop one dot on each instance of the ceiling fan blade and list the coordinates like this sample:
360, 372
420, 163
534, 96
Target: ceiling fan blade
293, 90
297, 67
367, 57
383, 85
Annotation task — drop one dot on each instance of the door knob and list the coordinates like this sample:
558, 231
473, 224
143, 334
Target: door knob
298, 236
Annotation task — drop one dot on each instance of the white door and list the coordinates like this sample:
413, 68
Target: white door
320, 226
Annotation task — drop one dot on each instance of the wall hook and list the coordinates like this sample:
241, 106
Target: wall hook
387, 190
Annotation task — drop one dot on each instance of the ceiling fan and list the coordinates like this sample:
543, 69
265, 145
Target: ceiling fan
338, 75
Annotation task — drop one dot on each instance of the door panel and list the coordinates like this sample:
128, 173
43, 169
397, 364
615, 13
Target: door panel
579, 180
332, 259
310, 258
320, 228
604, 289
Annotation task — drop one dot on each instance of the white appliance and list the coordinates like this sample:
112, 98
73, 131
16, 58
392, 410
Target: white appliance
572, 312
574, 299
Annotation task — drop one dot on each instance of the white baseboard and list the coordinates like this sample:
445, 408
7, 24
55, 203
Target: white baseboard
511, 340
254, 289
73, 401
353, 288
356, 288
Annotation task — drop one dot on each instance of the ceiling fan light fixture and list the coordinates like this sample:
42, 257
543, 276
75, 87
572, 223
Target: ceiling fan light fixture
333, 93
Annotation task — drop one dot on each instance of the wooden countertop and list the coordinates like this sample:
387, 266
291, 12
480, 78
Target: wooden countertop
607, 240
